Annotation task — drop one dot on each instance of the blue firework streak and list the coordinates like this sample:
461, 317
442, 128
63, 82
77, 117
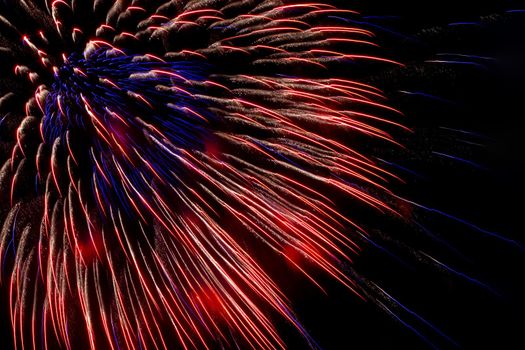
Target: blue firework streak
126, 84
117, 105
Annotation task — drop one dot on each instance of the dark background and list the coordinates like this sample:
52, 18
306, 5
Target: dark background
485, 100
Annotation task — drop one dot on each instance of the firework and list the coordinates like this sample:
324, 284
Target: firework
173, 148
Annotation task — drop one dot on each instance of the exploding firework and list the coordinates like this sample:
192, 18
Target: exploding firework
173, 148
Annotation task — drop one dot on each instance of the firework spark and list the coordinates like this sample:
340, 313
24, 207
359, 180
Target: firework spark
165, 140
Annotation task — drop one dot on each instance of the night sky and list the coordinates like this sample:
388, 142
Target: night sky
486, 189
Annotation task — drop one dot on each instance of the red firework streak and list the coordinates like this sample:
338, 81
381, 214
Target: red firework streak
175, 145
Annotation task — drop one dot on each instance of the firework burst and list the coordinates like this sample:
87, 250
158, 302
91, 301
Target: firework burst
174, 147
